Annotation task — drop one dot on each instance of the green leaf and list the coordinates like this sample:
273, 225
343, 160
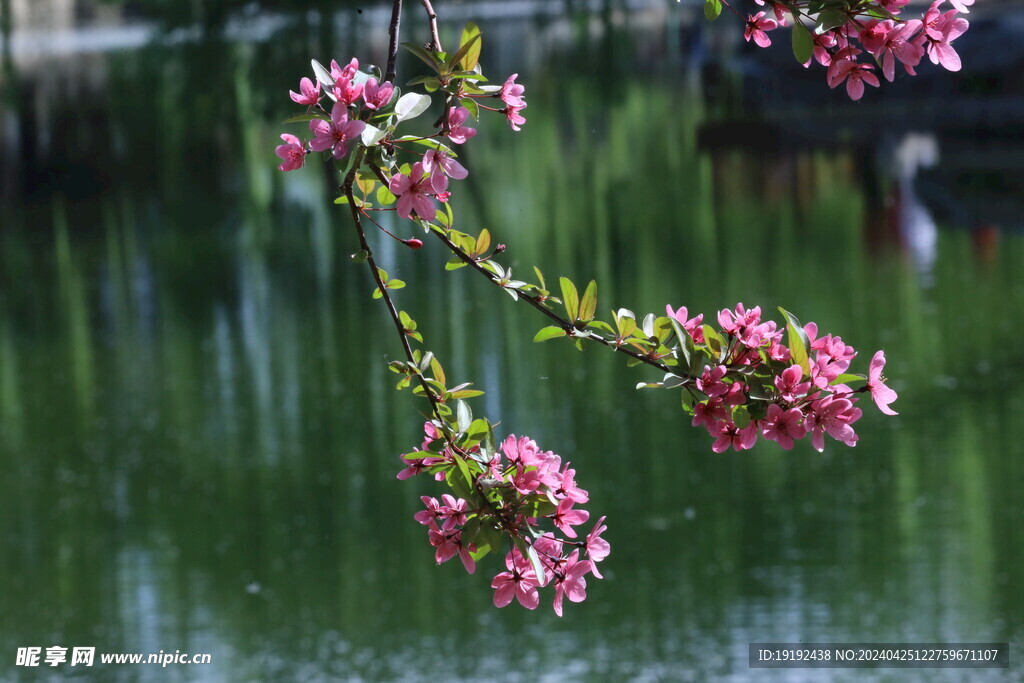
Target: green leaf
465, 415
371, 135
324, 76
483, 242
377, 293
714, 341
798, 342
472, 42
470, 104
457, 481
467, 393
471, 37
588, 304
428, 58
830, 18
740, 417
395, 284
847, 378
425, 80
384, 196
803, 43
360, 256
540, 277
341, 200
549, 332
712, 8
411, 105
454, 263
427, 142
300, 118
570, 297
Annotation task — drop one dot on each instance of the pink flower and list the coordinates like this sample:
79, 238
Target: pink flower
522, 450
344, 74
597, 548
939, 31
710, 382
377, 96
414, 191
310, 94
880, 394
454, 511
789, 385
899, 46
854, 73
335, 134
431, 514
730, 435
293, 152
511, 93
519, 582
822, 44
449, 544
833, 416
692, 326
458, 133
570, 582
708, 413
783, 426
440, 159
416, 465
566, 518
515, 119
756, 26
347, 92
564, 486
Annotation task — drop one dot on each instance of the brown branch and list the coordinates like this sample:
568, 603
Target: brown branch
371, 262
396, 20
434, 36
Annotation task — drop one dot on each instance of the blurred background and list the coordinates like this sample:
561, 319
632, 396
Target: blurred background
199, 435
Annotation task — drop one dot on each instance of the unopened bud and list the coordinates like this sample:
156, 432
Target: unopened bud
413, 243
500, 248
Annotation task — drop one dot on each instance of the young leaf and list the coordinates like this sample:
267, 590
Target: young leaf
324, 76
588, 304
549, 332
472, 43
465, 415
372, 135
300, 118
798, 342
428, 58
570, 297
411, 105
803, 43
483, 242
470, 36
712, 8
830, 18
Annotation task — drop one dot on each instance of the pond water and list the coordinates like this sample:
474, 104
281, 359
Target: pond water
200, 437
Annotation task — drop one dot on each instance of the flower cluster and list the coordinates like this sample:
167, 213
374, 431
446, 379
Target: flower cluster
513, 490
839, 38
753, 384
347, 86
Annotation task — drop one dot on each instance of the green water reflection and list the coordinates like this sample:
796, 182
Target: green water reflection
201, 439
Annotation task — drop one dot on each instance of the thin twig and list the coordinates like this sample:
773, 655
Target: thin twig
371, 262
434, 36
564, 323
396, 20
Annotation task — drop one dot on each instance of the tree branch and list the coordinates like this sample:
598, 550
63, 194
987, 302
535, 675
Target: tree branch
396, 20
435, 37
